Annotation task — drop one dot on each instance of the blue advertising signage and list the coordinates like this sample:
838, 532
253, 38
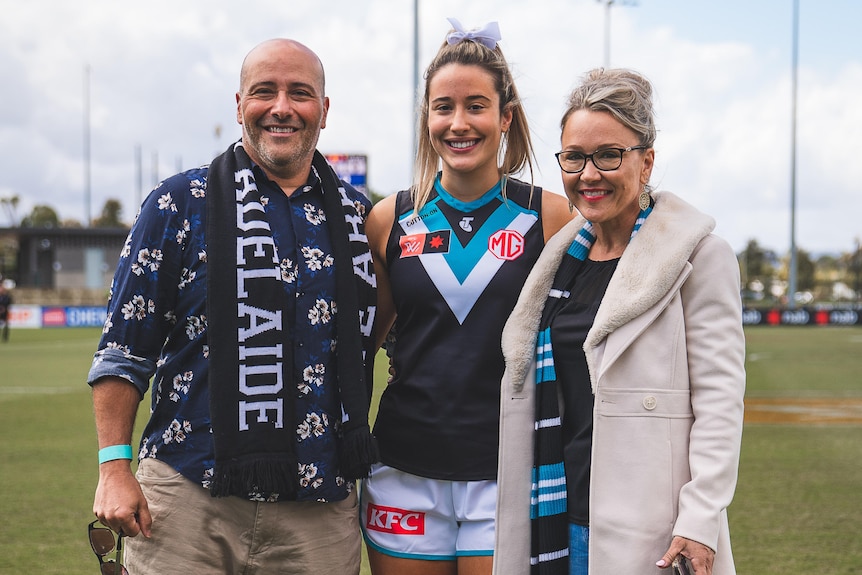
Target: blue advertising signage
86, 316
352, 168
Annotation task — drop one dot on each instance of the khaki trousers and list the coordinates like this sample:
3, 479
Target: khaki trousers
195, 533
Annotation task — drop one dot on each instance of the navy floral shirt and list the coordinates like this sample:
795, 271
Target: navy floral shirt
156, 326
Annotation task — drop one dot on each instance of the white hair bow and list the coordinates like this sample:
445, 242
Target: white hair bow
488, 36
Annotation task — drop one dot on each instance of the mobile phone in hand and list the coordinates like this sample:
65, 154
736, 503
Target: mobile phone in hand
682, 566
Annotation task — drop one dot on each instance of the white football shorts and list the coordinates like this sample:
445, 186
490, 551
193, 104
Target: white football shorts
404, 515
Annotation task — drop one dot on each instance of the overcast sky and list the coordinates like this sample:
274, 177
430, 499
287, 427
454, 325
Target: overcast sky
163, 75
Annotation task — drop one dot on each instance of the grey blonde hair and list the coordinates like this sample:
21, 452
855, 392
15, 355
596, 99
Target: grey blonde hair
518, 147
625, 94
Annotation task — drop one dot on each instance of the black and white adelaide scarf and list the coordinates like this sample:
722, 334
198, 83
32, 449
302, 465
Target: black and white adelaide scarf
252, 392
549, 525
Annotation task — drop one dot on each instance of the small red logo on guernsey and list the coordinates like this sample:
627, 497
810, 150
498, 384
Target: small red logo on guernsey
427, 243
394, 520
506, 244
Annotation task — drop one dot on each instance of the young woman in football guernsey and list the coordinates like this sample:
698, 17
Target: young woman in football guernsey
452, 253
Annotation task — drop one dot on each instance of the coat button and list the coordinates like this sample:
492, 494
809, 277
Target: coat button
650, 402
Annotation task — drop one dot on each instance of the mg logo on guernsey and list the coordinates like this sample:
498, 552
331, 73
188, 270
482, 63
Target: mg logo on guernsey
394, 520
506, 244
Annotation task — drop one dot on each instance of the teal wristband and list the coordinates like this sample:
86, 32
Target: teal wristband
113, 452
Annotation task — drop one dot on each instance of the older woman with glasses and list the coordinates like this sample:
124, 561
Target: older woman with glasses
622, 401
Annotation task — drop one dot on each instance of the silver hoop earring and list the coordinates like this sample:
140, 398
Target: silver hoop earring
501, 151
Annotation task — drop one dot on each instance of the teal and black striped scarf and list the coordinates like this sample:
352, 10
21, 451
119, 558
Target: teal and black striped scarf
549, 547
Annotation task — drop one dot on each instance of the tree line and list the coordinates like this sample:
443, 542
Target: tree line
832, 278
764, 273
44, 216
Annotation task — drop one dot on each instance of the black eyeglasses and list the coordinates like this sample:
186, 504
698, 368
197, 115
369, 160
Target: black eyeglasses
103, 542
606, 159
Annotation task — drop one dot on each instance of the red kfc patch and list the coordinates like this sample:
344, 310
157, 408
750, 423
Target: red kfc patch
394, 520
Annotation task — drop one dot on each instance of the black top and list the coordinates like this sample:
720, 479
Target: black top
569, 330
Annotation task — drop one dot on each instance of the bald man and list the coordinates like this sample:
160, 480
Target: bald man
225, 298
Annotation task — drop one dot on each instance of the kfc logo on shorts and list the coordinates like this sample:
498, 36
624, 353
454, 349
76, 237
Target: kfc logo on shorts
506, 244
394, 520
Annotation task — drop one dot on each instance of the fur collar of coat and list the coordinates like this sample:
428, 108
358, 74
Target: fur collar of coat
646, 271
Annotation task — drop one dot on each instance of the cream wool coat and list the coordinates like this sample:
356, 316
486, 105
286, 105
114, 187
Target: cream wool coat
666, 360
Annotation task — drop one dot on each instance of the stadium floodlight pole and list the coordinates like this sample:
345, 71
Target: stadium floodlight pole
608, 4
154, 168
139, 173
87, 210
794, 83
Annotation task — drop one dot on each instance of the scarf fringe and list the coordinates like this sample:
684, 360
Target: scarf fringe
357, 452
262, 475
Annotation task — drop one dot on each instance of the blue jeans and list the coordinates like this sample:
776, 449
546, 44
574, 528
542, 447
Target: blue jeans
579, 549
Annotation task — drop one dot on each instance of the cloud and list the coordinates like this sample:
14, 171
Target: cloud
162, 78
724, 115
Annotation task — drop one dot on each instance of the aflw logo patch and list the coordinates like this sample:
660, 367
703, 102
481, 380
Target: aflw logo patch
394, 520
429, 243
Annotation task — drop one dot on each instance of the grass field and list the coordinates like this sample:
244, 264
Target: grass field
798, 507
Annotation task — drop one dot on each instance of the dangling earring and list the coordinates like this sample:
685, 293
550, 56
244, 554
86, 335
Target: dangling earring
644, 199
571, 207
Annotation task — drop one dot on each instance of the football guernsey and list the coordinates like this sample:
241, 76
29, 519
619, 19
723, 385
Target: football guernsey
456, 271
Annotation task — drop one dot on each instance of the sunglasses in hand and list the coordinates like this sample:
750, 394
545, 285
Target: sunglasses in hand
102, 541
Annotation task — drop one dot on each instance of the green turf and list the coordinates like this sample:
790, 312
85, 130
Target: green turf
798, 504
797, 508
798, 501
47, 450
794, 361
